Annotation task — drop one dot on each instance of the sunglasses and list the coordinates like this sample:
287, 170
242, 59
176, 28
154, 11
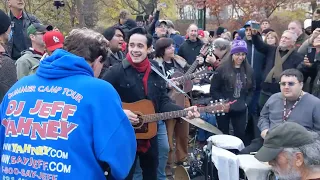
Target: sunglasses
289, 83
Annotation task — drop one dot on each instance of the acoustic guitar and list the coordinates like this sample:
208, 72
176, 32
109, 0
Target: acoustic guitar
186, 84
147, 126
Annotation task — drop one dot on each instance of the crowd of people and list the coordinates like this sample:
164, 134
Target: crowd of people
82, 82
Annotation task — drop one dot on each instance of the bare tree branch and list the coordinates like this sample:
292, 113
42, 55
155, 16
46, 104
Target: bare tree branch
40, 6
131, 6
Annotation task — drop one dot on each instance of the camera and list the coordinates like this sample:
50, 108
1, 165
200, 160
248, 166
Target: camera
58, 3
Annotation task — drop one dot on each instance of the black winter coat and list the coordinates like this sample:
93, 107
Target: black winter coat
270, 52
128, 83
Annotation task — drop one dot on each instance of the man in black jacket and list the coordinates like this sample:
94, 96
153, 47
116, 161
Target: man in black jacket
115, 36
190, 49
277, 60
20, 21
134, 80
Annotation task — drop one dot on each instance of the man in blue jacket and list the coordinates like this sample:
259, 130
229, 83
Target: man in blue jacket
62, 122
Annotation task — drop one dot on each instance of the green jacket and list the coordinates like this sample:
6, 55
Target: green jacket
27, 64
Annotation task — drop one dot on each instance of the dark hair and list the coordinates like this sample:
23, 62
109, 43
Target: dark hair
139, 18
111, 31
211, 33
293, 72
161, 46
265, 20
230, 75
86, 43
142, 31
146, 17
234, 34
124, 14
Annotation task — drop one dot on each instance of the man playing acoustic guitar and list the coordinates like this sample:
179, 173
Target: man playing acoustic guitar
134, 80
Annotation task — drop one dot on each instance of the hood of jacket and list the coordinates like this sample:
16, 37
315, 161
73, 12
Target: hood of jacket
63, 64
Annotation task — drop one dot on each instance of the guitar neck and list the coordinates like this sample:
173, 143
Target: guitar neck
169, 115
193, 67
184, 78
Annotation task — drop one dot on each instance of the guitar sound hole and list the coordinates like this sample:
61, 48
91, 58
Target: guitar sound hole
143, 129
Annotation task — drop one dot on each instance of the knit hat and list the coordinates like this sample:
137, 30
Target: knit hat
239, 45
5, 22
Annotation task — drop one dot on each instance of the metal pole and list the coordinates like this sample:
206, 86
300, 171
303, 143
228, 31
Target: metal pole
204, 15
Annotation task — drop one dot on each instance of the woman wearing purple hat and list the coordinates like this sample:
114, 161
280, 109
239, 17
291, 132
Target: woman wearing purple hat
234, 81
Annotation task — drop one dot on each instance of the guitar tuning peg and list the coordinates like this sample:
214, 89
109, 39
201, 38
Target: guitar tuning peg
218, 114
220, 100
213, 112
216, 101
211, 102
223, 114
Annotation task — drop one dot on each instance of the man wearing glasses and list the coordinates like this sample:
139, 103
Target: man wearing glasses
30, 58
290, 105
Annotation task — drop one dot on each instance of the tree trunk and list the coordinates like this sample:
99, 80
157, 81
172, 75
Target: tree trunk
80, 14
90, 13
314, 5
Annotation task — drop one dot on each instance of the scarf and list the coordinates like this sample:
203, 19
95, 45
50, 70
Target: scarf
277, 68
142, 67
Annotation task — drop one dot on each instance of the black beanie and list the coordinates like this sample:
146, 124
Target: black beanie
5, 22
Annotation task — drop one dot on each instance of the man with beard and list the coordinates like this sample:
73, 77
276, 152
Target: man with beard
134, 81
292, 151
8, 74
291, 105
116, 37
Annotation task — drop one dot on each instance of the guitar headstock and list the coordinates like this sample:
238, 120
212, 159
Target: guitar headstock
218, 107
203, 72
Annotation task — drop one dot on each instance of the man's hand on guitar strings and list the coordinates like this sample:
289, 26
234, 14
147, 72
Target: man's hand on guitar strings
173, 80
133, 118
192, 112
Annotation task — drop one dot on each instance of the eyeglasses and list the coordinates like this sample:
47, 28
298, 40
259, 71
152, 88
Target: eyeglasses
289, 83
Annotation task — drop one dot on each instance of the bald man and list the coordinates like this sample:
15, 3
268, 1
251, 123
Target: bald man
190, 49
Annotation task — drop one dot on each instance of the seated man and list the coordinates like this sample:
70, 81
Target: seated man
292, 152
291, 104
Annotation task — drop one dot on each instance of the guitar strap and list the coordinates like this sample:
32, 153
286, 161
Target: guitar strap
168, 81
